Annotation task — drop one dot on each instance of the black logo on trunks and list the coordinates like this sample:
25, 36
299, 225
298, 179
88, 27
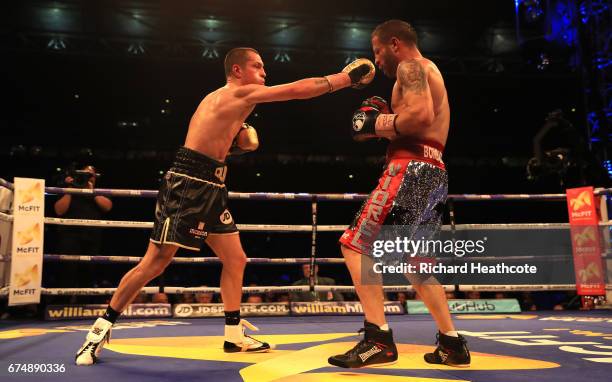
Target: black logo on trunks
226, 217
358, 120
199, 231
220, 173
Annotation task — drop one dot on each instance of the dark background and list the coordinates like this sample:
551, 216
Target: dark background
114, 83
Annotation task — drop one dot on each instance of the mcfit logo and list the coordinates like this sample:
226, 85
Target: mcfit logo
583, 200
581, 206
29, 234
26, 276
585, 236
28, 195
590, 272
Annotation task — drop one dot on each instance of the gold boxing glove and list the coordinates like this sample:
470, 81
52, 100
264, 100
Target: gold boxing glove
361, 71
245, 141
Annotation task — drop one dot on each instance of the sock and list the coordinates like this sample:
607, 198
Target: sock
452, 333
232, 318
384, 327
111, 315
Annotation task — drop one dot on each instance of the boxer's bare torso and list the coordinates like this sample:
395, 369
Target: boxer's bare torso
216, 122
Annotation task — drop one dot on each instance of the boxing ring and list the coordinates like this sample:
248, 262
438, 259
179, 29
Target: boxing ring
542, 346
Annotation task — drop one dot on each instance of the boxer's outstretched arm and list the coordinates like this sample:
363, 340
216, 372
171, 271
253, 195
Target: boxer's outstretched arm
302, 89
418, 110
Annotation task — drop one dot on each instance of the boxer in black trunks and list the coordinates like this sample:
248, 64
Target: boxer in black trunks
411, 192
192, 201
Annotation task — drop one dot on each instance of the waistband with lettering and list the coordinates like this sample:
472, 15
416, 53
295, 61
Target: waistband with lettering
422, 150
197, 165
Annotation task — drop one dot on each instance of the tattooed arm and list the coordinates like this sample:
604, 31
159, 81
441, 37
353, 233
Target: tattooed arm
302, 89
416, 111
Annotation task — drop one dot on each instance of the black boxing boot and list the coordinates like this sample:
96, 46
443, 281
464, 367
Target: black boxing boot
375, 349
451, 351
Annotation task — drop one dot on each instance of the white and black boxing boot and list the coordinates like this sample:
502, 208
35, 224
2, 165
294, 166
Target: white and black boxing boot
97, 337
238, 342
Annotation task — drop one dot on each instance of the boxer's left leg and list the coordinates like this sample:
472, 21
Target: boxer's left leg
229, 250
452, 348
434, 297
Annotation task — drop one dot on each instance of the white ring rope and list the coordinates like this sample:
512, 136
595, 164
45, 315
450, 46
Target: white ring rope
182, 260
280, 261
521, 288
149, 225
302, 196
291, 227
246, 290
306, 288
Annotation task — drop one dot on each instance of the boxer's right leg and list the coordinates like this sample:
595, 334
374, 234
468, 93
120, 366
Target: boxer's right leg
377, 347
370, 295
155, 260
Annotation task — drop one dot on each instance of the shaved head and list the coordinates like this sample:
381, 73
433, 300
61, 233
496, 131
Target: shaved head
236, 56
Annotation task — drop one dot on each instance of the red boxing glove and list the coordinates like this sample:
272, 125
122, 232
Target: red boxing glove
378, 103
373, 120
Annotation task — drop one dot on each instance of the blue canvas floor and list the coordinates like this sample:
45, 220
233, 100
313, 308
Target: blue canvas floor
547, 346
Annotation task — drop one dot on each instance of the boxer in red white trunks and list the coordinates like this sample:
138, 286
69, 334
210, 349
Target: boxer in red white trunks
411, 192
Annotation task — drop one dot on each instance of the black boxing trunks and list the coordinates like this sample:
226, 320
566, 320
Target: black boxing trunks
192, 202
411, 193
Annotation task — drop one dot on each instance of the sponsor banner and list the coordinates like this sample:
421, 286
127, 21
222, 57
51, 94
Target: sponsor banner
216, 310
586, 242
509, 305
27, 241
69, 312
581, 206
338, 308
588, 266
